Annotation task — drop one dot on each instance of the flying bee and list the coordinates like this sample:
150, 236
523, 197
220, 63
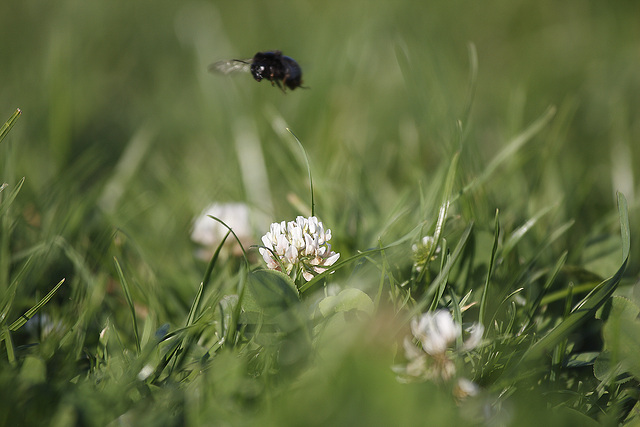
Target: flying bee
273, 66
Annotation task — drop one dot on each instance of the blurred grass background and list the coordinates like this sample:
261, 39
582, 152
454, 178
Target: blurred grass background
123, 127
125, 137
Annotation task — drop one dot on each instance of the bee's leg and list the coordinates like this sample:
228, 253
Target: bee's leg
280, 85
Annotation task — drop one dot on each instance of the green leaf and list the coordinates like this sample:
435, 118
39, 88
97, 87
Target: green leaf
600, 256
274, 313
581, 360
347, 300
621, 334
610, 371
271, 292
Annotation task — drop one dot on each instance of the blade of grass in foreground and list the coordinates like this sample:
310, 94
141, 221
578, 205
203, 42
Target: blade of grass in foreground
180, 351
596, 298
6, 336
5, 332
9, 294
485, 291
444, 209
33, 310
517, 235
446, 202
127, 294
473, 83
193, 311
4, 130
6, 203
306, 159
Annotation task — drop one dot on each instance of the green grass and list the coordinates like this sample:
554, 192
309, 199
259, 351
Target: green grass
505, 131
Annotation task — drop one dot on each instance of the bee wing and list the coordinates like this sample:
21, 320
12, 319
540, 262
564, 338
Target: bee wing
230, 66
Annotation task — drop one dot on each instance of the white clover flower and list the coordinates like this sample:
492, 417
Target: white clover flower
209, 232
465, 388
300, 245
437, 333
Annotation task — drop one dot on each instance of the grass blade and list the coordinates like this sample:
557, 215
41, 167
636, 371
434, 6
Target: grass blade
4, 130
181, 349
485, 291
473, 83
33, 310
559, 264
443, 283
6, 336
442, 213
127, 294
446, 201
521, 231
555, 235
10, 293
306, 159
193, 311
6, 203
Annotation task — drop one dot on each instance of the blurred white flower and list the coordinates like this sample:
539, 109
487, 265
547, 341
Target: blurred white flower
437, 333
209, 233
300, 245
145, 372
465, 388
475, 336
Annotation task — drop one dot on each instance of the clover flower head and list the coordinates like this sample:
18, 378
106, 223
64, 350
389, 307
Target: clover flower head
300, 245
437, 333
465, 388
